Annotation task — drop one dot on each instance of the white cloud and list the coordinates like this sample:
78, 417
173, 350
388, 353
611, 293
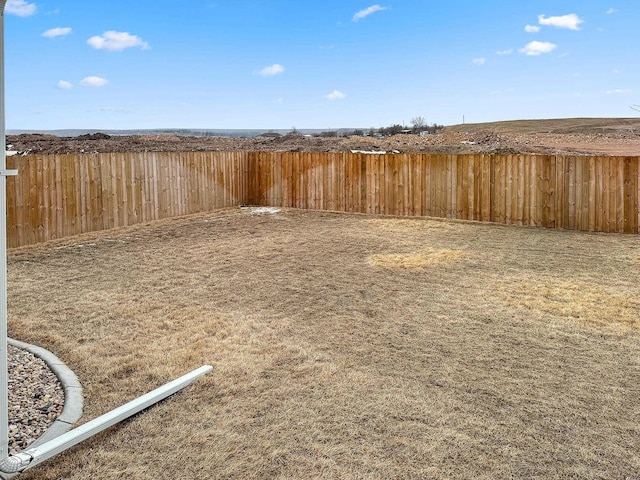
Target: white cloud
479, 61
367, 11
94, 82
537, 48
116, 41
611, 10
20, 8
618, 91
571, 21
335, 95
271, 70
531, 28
57, 32
505, 52
64, 85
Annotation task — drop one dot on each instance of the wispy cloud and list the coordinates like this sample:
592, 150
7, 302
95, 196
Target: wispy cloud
94, 82
479, 61
116, 41
335, 95
618, 91
367, 11
64, 85
20, 8
536, 48
271, 70
57, 32
610, 11
505, 52
531, 28
571, 21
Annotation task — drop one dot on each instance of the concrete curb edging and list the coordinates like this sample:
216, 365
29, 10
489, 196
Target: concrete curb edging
73, 399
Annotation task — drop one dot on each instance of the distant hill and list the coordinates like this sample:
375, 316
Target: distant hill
190, 132
558, 125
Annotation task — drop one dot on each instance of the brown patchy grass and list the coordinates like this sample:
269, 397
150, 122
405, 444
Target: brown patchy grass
578, 301
554, 125
414, 259
518, 357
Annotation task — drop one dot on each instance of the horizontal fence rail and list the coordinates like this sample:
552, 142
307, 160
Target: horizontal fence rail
56, 196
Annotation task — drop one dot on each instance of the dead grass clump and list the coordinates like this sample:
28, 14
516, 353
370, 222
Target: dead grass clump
409, 225
588, 303
420, 259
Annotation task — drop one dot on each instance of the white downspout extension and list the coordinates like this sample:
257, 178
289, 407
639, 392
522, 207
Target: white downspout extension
10, 465
33, 456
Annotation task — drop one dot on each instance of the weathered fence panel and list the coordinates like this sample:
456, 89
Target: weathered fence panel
62, 195
573, 192
56, 196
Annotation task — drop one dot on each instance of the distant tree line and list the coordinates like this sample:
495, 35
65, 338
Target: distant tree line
418, 125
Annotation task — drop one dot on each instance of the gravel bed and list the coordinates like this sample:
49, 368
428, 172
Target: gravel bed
36, 398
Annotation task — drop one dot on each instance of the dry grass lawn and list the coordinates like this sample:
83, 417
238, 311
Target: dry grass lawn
343, 346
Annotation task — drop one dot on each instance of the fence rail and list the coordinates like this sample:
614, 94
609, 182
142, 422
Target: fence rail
62, 195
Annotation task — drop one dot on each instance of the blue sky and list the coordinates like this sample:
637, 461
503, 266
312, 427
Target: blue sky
122, 64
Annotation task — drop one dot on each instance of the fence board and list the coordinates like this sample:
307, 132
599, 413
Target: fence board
407, 186
629, 214
443, 194
461, 187
606, 194
33, 219
19, 206
46, 200
586, 184
30, 203
510, 189
619, 194
537, 191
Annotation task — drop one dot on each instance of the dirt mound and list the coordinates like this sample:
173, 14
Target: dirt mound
584, 126
94, 136
622, 138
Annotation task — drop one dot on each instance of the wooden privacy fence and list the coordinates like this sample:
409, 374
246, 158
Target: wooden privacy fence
56, 196
62, 195
578, 193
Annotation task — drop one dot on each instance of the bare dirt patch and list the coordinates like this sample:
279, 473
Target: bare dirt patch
509, 361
